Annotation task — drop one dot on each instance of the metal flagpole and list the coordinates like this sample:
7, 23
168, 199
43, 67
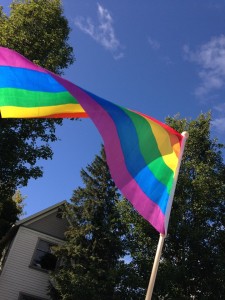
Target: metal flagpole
162, 236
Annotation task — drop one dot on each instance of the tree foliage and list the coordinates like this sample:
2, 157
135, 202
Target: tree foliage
38, 30
193, 261
91, 254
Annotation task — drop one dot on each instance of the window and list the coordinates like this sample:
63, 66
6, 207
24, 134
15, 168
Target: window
25, 296
43, 257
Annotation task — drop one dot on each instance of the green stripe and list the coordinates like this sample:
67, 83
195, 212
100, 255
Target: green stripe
150, 151
24, 98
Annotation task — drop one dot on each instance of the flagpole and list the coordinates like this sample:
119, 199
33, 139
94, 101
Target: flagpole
162, 236
155, 267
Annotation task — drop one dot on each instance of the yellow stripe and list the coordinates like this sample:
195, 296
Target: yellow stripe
37, 112
163, 140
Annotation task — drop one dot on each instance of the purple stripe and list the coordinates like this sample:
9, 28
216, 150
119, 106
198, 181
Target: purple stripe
11, 58
69, 86
125, 182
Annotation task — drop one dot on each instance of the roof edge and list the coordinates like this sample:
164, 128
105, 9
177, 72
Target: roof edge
42, 212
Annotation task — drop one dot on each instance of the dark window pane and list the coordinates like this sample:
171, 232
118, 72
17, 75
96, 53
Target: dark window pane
43, 258
43, 245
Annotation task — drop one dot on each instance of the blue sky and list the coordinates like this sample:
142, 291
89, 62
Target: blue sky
157, 57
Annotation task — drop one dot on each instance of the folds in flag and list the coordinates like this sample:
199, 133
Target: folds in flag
143, 154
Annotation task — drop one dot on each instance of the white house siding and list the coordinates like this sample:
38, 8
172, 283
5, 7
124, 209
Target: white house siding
50, 225
17, 276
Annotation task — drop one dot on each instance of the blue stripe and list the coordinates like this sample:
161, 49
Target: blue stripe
12, 77
134, 160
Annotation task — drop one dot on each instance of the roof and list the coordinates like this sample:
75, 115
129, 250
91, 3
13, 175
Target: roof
41, 213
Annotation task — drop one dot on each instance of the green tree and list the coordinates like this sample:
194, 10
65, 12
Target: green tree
9, 208
91, 255
193, 261
38, 30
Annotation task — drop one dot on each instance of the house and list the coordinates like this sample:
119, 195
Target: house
28, 258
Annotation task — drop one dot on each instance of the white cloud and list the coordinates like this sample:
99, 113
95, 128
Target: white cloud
155, 45
103, 32
211, 59
220, 108
219, 124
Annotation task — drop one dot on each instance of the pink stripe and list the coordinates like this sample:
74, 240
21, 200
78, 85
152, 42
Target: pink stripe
147, 208
69, 86
125, 182
131, 190
12, 58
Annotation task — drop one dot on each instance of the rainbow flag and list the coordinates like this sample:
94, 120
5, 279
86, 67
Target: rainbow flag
29, 91
143, 154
